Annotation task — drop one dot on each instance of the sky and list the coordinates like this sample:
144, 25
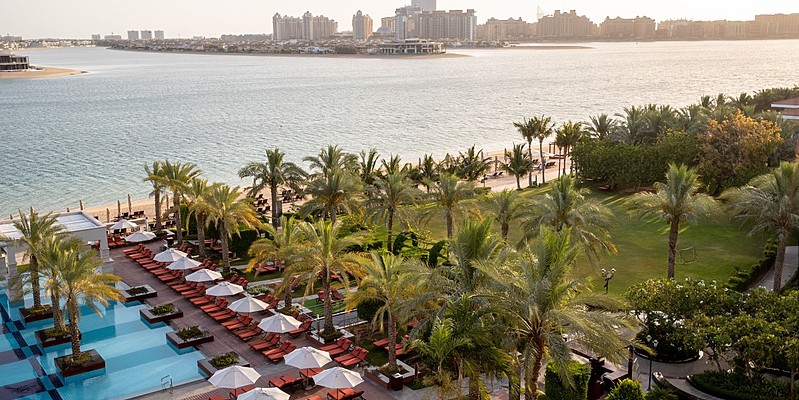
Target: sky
212, 18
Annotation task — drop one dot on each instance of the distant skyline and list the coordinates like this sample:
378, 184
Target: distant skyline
187, 18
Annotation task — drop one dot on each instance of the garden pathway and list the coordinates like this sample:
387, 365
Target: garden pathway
788, 269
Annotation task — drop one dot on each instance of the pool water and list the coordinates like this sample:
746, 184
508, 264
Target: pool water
137, 356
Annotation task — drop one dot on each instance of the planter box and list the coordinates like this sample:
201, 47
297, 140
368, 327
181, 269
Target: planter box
149, 294
207, 369
97, 362
46, 342
150, 318
28, 317
392, 382
173, 338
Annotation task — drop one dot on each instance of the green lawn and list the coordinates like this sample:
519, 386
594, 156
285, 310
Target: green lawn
642, 247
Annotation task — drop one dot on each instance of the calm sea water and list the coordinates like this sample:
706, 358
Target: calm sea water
87, 137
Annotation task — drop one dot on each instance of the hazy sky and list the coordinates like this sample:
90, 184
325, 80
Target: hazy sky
185, 18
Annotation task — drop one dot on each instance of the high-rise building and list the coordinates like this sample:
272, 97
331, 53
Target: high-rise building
628, 28
133, 35
112, 37
389, 23
505, 29
361, 26
309, 27
425, 5
286, 28
778, 25
565, 25
146, 35
96, 36
159, 35
405, 22
453, 24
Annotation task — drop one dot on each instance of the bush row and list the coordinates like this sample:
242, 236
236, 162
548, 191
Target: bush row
737, 386
743, 278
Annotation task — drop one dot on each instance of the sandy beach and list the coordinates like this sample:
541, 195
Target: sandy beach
40, 72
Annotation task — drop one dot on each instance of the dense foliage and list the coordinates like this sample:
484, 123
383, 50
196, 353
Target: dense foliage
573, 387
626, 390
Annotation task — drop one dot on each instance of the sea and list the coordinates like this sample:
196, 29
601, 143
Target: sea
87, 137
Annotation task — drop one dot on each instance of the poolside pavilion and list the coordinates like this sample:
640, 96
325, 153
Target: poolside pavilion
78, 224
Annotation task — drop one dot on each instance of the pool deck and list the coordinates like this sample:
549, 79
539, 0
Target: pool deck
224, 342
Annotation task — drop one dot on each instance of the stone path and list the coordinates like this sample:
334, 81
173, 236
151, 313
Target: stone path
788, 269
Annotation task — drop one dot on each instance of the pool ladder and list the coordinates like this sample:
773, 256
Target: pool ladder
167, 381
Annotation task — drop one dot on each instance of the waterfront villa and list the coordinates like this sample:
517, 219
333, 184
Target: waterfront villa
788, 108
412, 46
11, 62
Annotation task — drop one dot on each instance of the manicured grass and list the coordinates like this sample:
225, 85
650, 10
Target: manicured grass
318, 308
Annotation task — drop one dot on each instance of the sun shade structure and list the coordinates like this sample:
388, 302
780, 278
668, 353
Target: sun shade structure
264, 394
169, 256
234, 377
183, 264
139, 237
248, 305
123, 224
338, 378
279, 323
224, 289
307, 357
203, 275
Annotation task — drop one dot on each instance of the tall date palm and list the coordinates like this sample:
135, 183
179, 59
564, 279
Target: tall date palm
386, 199
229, 211
177, 178
273, 173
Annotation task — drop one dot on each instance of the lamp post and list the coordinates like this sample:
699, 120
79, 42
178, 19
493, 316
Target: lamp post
654, 346
607, 275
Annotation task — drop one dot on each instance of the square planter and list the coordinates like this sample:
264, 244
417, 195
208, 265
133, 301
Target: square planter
173, 338
96, 363
395, 382
208, 369
151, 318
141, 296
28, 316
45, 342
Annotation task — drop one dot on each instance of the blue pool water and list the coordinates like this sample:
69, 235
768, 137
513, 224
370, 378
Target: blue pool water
137, 357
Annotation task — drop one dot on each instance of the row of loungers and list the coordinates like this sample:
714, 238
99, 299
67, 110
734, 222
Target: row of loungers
338, 394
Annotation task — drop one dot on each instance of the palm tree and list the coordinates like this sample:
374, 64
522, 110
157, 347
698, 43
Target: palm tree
328, 253
80, 282
544, 128
333, 158
692, 119
561, 143
386, 199
535, 128
517, 163
633, 129
505, 207
602, 126
572, 134
51, 253
393, 165
333, 191
367, 166
472, 164
566, 207
287, 245
448, 194
538, 296
35, 229
394, 282
428, 170
473, 244
273, 174
675, 201
771, 203
197, 192
439, 348
155, 175
177, 178
229, 211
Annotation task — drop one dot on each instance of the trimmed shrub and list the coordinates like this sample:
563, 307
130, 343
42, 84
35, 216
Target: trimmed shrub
367, 309
738, 386
743, 278
555, 388
660, 393
239, 244
626, 390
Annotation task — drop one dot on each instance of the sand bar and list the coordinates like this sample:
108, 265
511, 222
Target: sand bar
40, 72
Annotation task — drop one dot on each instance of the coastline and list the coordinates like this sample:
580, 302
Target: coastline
354, 56
40, 72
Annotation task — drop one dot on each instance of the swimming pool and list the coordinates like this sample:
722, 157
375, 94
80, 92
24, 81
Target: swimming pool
137, 357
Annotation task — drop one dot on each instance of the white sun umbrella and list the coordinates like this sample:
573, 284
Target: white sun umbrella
337, 378
279, 323
123, 224
169, 255
265, 394
224, 289
307, 357
139, 237
248, 305
234, 377
183, 264
203, 275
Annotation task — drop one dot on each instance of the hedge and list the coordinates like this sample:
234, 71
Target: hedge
240, 243
736, 386
556, 389
626, 390
743, 278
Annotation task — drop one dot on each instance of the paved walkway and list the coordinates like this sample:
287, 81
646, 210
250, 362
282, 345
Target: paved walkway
788, 269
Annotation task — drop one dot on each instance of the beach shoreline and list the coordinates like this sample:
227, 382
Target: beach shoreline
40, 72
353, 56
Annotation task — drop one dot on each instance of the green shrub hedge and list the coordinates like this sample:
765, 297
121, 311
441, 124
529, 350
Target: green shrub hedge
555, 388
743, 278
737, 386
239, 244
626, 390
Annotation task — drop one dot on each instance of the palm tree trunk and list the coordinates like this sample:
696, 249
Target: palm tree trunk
448, 218
518, 183
72, 308
392, 342
474, 388
780, 260
543, 165
35, 284
514, 382
332, 212
505, 228
529, 154
532, 375
328, 303
673, 232
200, 219
287, 299
179, 226
275, 215
158, 225
225, 252
58, 317
389, 244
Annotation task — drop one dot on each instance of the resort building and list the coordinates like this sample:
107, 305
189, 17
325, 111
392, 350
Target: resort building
778, 25
10, 62
361, 26
133, 35
411, 46
286, 28
389, 24
96, 37
789, 108
453, 24
722, 29
146, 35
501, 29
565, 25
640, 28
425, 5
309, 27
113, 37
405, 19
159, 35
